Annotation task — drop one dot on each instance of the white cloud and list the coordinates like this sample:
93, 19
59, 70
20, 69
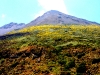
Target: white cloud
39, 14
47, 5
53, 5
3, 16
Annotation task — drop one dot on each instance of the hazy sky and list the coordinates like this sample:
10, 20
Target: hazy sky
24, 11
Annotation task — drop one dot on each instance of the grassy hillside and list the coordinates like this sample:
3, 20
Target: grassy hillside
51, 50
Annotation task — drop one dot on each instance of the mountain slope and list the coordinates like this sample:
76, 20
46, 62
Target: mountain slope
9, 27
51, 50
56, 17
51, 17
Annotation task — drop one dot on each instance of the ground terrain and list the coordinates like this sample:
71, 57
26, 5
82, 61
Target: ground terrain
51, 50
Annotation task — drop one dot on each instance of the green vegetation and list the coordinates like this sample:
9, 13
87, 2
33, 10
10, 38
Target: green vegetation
51, 49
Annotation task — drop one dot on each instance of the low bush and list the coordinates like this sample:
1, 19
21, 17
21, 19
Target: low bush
81, 68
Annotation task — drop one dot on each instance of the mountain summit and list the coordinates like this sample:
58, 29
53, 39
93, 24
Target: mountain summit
56, 17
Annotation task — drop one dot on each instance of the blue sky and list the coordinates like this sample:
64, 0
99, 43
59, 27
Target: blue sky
24, 11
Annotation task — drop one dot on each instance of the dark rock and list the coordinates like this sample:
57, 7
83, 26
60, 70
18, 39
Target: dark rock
34, 56
14, 56
95, 60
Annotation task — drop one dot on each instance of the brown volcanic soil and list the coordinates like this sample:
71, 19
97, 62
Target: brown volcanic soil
33, 60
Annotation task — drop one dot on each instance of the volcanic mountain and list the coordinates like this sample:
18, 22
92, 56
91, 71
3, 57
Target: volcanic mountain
9, 27
55, 17
51, 49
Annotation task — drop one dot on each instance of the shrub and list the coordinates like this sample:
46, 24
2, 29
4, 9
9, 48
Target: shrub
14, 64
81, 68
62, 62
2, 71
65, 73
58, 49
70, 63
2, 60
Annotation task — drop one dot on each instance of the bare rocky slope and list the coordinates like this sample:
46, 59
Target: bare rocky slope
55, 17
